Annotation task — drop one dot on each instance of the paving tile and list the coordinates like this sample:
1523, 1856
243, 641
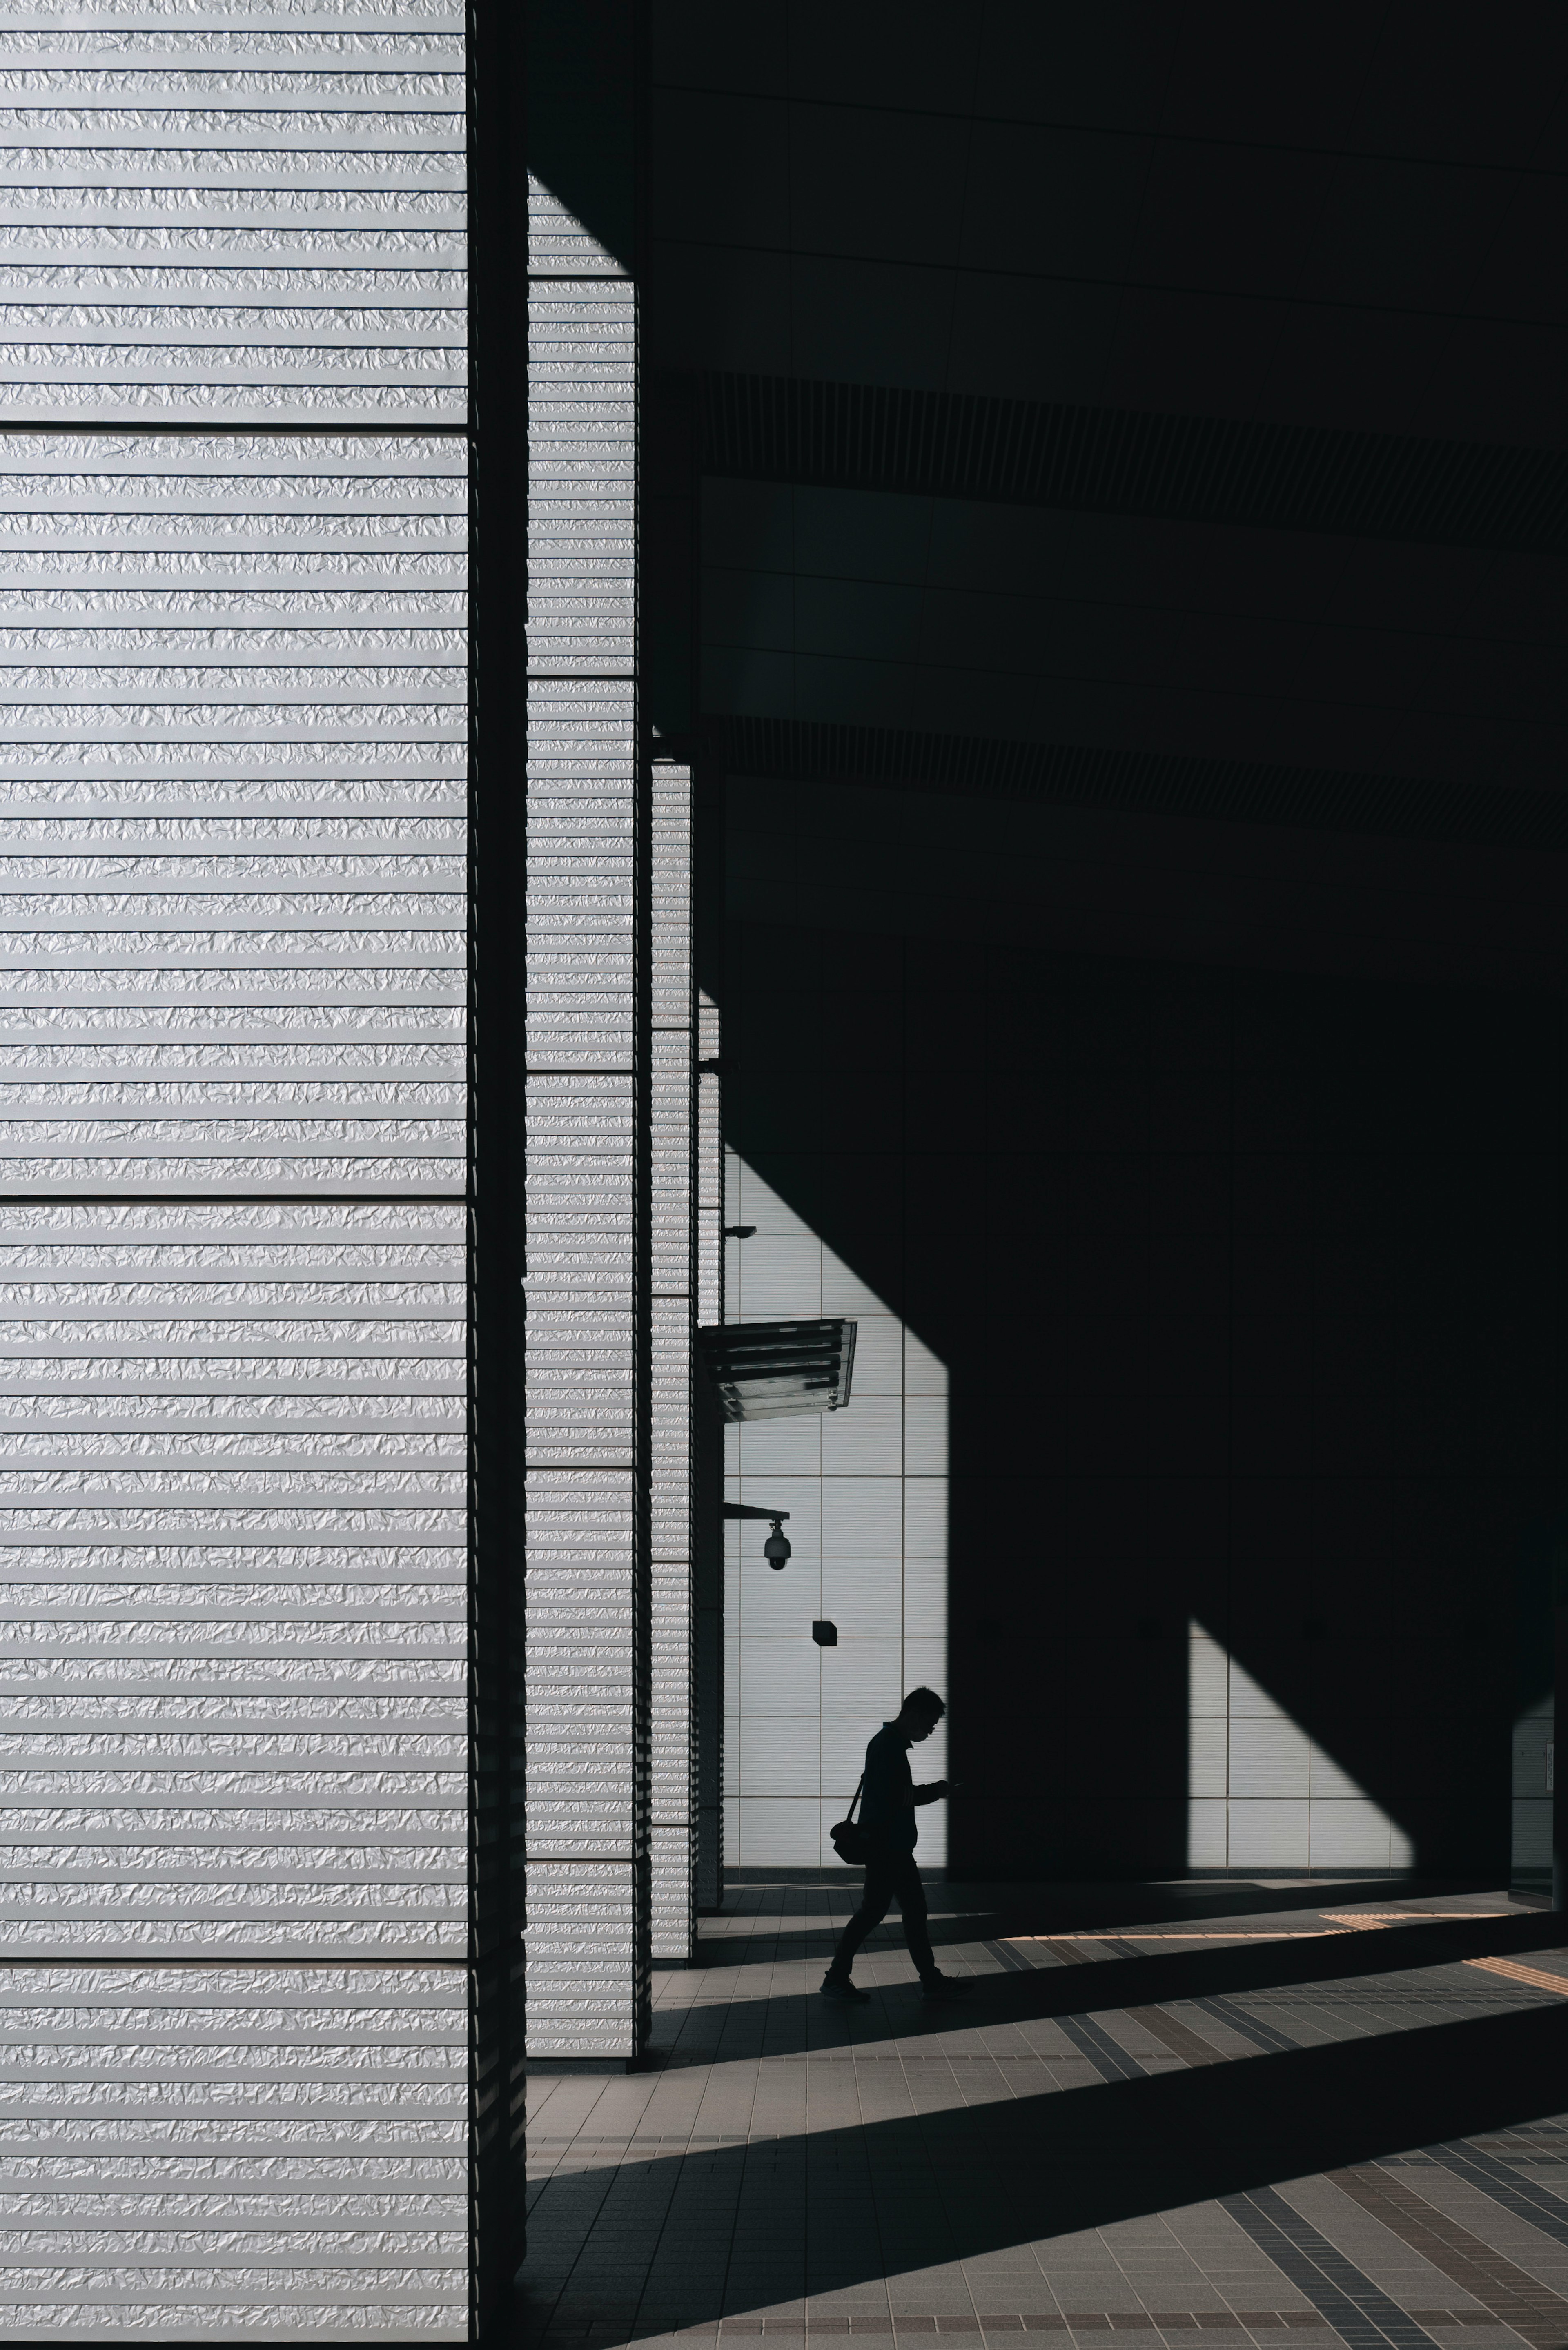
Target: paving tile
787, 2167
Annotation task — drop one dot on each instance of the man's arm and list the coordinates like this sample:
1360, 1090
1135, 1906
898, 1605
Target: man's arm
931, 1794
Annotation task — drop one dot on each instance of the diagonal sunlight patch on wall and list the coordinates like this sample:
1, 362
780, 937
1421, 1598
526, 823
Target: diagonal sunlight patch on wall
866, 1492
1261, 1792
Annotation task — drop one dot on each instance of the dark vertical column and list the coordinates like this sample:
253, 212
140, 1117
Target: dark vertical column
1559, 1795
668, 558
499, 522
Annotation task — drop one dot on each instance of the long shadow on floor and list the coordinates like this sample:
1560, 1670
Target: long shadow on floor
785, 2026
684, 2240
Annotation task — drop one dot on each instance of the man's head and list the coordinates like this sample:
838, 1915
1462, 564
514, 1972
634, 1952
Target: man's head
919, 1714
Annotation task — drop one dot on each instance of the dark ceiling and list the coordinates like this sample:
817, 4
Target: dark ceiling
1147, 411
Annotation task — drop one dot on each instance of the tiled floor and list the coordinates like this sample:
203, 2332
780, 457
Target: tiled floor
1166, 2110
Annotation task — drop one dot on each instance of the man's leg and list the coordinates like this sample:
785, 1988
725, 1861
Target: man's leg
911, 1895
874, 1899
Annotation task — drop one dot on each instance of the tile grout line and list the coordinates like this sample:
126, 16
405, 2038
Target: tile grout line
1248, 2026
1342, 2297
1361, 2311
1512, 2296
1358, 2310
1521, 2197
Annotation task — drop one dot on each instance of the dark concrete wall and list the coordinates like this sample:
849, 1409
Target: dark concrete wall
1249, 1288
1129, 445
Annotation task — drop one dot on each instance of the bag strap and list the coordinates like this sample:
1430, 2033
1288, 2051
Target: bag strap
856, 1797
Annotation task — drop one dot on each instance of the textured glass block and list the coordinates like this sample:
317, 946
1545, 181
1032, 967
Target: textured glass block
195, 225
232, 875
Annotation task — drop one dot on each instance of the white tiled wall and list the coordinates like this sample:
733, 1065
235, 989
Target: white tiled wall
1260, 1791
866, 1492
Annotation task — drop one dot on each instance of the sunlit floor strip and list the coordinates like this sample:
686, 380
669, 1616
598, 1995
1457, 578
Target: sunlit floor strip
1248, 1934
1336, 1917
1536, 1977
1407, 1916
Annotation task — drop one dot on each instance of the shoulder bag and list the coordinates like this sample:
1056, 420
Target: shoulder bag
852, 1842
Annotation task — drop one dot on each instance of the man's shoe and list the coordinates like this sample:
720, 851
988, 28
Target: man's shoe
939, 1986
847, 1994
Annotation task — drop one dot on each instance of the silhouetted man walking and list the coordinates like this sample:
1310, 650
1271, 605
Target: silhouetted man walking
889, 1798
